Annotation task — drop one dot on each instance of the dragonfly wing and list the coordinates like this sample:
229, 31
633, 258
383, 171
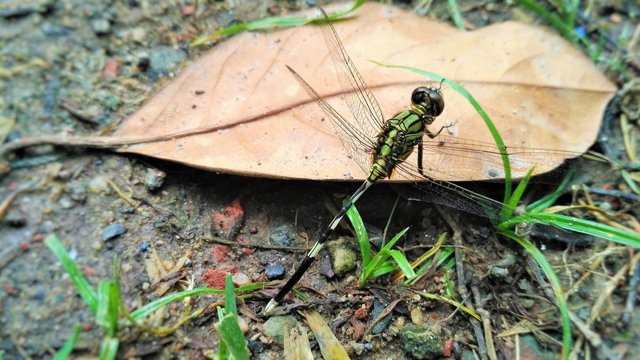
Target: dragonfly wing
363, 105
454, 196
357, 143
458, 159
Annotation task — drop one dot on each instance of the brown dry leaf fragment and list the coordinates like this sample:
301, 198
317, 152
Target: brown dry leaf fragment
330, 347
296, 344
246, 114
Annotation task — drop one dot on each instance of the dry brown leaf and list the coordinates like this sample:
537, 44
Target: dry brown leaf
246, 114
330, 347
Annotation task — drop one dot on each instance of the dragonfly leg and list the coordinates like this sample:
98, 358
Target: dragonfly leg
420, 150
433, 136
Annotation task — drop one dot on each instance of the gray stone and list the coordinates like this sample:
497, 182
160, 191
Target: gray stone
274, 327
383, 323
164, 58
281, 237
421, 342
343, 257
101, 26
274, 272
112, 231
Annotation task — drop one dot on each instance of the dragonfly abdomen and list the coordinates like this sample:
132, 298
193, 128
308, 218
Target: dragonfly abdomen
395, 143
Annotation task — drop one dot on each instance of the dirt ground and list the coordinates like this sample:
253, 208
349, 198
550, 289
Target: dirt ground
80, 67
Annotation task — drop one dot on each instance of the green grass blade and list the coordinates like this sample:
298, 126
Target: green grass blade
403, 263
233, 338
149, 308
483, 114
383, 270
555, 285
562, 26
386, 227
449, 301
223, 351
66, 350
361, 235
442, 257
550, 199
274, 22
230, 297
109, 348
583, 226
82, 284
108, 307
456, 16
450, 287
379, 260
514, 199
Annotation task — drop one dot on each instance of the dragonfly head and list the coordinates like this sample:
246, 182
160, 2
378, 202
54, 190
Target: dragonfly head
427, 101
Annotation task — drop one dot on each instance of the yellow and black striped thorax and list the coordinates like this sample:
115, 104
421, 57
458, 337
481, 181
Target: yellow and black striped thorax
395, 143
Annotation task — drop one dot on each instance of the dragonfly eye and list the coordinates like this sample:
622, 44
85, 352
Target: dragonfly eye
428, 100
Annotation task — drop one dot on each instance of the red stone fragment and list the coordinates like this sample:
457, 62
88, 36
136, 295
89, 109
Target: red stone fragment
214, 278
220, 252
24, 246
37, 238
188, 10
361, 313
89, 272
110, 70
10, 290
228, 222
447, 347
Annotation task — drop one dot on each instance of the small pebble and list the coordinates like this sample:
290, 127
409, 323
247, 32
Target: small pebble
154, 179
280, 236
37, 238
144, 246
275, 325
244, 327
240, 279
89, 272
274, 10
101, 26
274, 272
188, 10
65, 202
417, 317
24, 246
110, 70
98, 185
10, 290
112, 231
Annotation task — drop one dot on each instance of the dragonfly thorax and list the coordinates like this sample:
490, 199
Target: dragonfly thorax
395, 142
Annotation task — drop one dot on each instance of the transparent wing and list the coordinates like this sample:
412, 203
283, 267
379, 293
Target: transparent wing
454, 158
363, 105
357, 143
455, 196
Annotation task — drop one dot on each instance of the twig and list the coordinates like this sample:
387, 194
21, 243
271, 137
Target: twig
592, 337
609, 287
78, 114
462, 284
615, 193
218, 240
631, 298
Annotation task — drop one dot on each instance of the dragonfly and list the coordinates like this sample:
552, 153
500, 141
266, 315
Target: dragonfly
380, 147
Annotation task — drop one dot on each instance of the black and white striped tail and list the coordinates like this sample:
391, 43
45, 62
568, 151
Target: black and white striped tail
308, 259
